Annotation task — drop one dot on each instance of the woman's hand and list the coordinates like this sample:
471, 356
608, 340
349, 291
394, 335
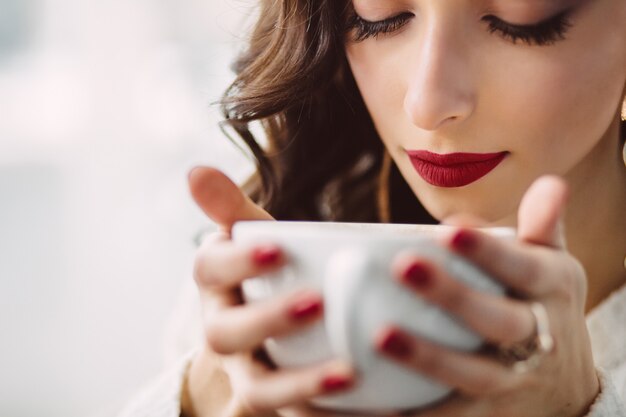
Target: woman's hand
227, 378
537, 268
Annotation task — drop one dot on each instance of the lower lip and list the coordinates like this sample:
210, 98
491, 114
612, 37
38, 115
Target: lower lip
456, 175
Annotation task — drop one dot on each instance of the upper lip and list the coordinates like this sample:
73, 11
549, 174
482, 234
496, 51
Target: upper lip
456, 158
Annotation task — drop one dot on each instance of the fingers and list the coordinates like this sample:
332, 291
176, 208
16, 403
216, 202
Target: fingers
222, 265
509, 262
540, 212
219, 268
221, 199
498, 319
245, 327
260, 392
472, 375
540, 223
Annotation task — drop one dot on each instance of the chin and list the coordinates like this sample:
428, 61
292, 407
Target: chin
491, 207
493, 198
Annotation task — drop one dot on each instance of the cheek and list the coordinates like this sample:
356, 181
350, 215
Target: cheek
561, 100
553, 117
380, 76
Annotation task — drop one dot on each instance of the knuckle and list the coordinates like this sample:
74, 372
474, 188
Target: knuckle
576, 277
571, 287
531, 276
215, 339
512, 328
222, 266
270, 323
214, 344
428, 358
485, 385
202, 272
455, 297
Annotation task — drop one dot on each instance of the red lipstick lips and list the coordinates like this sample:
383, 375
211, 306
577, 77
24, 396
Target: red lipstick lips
454, 169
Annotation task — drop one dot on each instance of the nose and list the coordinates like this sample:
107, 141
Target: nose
439, 89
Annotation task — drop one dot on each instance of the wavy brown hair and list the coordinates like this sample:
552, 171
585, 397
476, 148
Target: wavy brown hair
323, 159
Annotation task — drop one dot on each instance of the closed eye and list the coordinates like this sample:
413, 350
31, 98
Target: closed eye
546, 32
364, 29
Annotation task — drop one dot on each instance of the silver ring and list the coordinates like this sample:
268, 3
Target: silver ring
540, 344
526, 355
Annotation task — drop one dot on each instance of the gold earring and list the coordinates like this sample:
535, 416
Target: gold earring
384, 210
624, 153
624, 148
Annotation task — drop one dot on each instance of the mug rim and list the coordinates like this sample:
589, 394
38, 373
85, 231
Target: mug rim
357, 229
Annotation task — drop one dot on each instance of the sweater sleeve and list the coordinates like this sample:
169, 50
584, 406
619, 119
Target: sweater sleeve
609, 402
161, 397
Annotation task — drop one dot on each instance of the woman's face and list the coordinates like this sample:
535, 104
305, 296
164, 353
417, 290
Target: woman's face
449, 76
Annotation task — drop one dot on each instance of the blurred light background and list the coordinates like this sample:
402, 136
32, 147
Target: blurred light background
104, 108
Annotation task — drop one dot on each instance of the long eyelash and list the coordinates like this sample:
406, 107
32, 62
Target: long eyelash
364, 29
543, 33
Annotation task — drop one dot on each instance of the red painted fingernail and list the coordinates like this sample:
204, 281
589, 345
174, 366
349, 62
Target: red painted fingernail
464, 241
395, 344
265, 256
336, 383
306, 308
418, 276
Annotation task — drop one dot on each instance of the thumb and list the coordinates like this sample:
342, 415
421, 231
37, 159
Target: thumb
540, 215
221, 199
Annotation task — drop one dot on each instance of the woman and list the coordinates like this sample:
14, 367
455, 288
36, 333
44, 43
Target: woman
369, 107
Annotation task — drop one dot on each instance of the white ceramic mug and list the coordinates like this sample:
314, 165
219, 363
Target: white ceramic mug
350, 264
